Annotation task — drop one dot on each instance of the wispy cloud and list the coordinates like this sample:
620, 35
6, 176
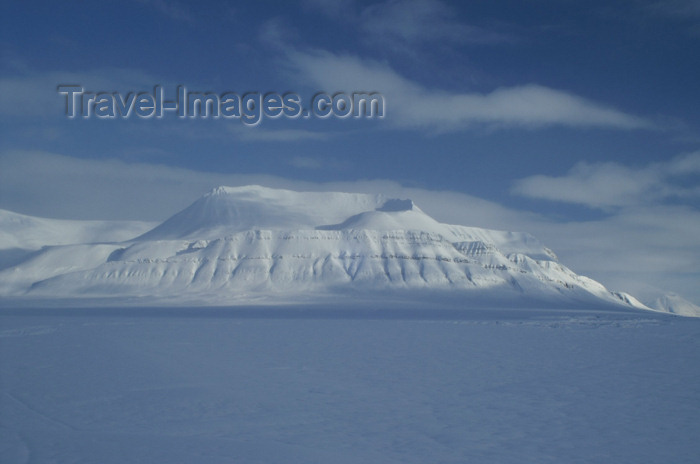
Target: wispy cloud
684, 15
409, 22
411, 105
610, 185
403, 24
35, 93
276, 33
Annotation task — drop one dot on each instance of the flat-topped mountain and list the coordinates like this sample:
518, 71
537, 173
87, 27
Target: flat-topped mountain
242, 244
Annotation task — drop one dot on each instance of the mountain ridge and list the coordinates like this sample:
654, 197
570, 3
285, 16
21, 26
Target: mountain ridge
248, 243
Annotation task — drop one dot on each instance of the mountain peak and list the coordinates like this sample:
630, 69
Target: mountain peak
252, 189
394, 204
227, 210
220, 190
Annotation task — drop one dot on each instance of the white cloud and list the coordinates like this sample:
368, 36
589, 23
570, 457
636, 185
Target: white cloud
600, 185
643, 249
36, 94
410, 105
683, 164
276, 33
606, 185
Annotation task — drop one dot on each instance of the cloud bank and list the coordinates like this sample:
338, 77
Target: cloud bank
410, 105
608, 185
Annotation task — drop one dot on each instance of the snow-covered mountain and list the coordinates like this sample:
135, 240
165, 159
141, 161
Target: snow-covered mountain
675, 304
21, 235
237, 245
18, 231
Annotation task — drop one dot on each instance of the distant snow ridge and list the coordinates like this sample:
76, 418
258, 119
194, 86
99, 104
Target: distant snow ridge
236, 245
18, 231
675, 304
21, 235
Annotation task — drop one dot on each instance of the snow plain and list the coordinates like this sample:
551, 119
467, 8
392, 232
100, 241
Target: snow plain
347, 385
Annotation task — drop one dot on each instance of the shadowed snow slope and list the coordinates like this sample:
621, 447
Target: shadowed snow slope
32, 233
672, 303
21, 236
236, 245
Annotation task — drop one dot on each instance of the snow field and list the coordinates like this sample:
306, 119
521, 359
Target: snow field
289, 385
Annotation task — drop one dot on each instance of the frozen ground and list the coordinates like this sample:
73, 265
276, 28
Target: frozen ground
270, 386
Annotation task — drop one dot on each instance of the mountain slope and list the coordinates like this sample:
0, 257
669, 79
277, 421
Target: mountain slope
21, 235
675, 304
246, 243
32, 233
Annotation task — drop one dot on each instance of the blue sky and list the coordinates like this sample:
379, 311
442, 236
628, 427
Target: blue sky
577, 121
